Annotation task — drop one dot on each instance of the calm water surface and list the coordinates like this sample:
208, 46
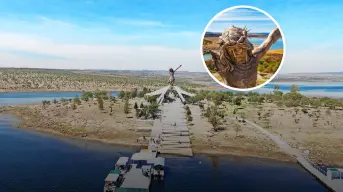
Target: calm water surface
35, 162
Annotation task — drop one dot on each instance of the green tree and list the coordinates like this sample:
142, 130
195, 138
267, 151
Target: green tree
121, 94
86, 96
153, 109
133, 93
63, 100
189, 118
126, 106
151, 99
100, 103
238, 100
214, 122
77, 100
294, 89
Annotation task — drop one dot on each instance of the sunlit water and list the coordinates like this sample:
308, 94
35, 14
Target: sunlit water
33, 162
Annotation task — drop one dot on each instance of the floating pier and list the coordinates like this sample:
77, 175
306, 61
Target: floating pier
331, 177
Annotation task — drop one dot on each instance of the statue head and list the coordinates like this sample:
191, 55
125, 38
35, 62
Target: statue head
236, 43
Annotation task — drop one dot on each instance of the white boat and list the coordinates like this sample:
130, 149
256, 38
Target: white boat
115, 178
112, 181
158, 167
122, 165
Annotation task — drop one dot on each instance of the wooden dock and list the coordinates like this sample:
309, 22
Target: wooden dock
171, 131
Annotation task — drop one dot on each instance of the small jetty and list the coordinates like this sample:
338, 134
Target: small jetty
329, 176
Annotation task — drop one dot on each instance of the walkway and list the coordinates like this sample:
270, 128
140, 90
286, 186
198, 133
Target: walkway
170, 134
336, 185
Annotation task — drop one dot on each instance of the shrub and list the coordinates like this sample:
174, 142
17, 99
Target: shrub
73, 106
121, 94
126, 106
77, 100
100, 103
113, 99
86, 96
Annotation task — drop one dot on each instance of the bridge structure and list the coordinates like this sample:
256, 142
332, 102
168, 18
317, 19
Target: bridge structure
170, 134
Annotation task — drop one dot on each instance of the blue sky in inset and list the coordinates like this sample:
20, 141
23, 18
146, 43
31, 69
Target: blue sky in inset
254, 20
156, 34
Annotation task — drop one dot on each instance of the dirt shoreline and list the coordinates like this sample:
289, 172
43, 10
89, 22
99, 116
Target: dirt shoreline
317, 130
197, 149
31, 119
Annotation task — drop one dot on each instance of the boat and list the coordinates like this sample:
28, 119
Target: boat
122, 165
112, 181
135, 174
116, 176
158, 168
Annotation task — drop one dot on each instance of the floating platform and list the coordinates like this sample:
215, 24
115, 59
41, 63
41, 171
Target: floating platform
135, 181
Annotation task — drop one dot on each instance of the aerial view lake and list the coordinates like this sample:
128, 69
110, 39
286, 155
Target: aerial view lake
33, 161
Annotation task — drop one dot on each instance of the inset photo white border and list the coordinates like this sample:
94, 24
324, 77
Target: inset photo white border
238, 7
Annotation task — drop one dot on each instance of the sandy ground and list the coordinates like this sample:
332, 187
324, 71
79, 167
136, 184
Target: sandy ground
87, 121
318, 131
247, 143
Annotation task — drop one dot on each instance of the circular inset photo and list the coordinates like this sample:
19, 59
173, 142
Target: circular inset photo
243, 48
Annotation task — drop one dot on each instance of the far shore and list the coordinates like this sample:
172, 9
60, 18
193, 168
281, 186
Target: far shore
57, 90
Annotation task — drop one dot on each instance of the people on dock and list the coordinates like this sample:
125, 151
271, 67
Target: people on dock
171, 75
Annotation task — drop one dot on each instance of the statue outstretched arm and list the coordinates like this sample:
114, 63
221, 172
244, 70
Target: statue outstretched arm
261, 50
177, 68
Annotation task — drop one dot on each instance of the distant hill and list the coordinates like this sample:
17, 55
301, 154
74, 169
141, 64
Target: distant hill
310, 77
338, 73
217, 34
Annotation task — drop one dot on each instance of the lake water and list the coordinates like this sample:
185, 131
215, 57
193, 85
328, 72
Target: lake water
316, 89
319, 89
277, 45
34, 162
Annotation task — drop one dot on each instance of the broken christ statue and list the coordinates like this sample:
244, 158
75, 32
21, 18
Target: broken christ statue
171, 75
237, 59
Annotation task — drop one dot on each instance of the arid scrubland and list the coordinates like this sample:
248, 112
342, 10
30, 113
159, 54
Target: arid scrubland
37, 80
214, 120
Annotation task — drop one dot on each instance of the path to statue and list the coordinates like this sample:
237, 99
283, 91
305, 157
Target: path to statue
171, 131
